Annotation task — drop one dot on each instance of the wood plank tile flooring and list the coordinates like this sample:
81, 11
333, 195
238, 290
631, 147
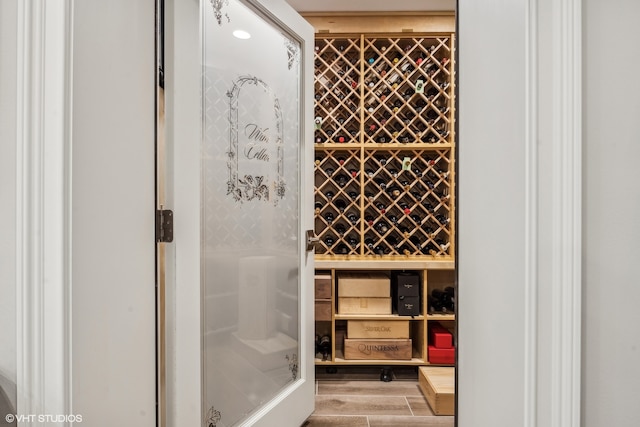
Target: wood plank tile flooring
355, 397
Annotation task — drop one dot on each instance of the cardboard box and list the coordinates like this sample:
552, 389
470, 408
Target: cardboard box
442, 356
378, 329
363, 305
363, 284
440, 337
323, 286
408, 305
323, 310
372, 349
438, 386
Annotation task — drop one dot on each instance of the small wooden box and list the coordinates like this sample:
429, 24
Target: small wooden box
323, 286
438, 386
323, 310
386, 349
363, 284
378, 329
364, 305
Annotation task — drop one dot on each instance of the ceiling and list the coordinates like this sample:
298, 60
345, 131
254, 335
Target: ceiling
371, 5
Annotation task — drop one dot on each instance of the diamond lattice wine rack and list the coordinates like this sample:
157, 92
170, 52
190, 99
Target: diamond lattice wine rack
384, 143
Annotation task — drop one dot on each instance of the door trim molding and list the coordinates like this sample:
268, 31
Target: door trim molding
43, 207
566, 214
531, 217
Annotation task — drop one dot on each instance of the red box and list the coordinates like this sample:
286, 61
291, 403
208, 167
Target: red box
444, 356
439, 337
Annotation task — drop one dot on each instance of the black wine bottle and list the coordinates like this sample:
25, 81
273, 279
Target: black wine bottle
325, 347
340, 229
340, 204
329, 217
369, 220
342, 249
342, 180
369, 242
382, 227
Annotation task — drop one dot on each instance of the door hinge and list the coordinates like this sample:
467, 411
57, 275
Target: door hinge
164, 225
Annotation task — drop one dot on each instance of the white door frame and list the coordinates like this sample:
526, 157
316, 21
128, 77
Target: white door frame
548, 235
42, 206
519, 212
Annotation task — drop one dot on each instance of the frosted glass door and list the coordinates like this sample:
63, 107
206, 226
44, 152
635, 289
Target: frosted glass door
251, 226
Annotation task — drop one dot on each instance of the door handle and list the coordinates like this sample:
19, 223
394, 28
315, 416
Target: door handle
312, 240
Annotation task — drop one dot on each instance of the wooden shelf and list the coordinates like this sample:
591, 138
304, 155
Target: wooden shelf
442, 317
391, 317
373, 263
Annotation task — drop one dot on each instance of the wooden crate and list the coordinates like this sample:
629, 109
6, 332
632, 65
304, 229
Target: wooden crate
323, 310
438, 386
364, 305
363, 284
322, 286
378, 329
385, 349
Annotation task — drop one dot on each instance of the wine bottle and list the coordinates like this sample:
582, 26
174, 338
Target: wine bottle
353, 219
353, 172
340, 229
340, 204
369, 242
342, 249
369, 220
381, 250
442, 219
393, 219
381, 183
392, 242
329, 171
329, 195
381, 207
405, 208
394, 191
325, 347
353, 195
382, 227
329, 217
318, 207
342, 180
353, 242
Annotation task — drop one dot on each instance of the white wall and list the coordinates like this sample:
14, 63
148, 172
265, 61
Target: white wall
611, 228
8, 19
113, 319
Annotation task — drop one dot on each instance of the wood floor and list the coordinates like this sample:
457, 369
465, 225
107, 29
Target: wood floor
355, 397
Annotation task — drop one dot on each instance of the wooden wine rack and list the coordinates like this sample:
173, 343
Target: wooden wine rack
385, 143
384, 169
